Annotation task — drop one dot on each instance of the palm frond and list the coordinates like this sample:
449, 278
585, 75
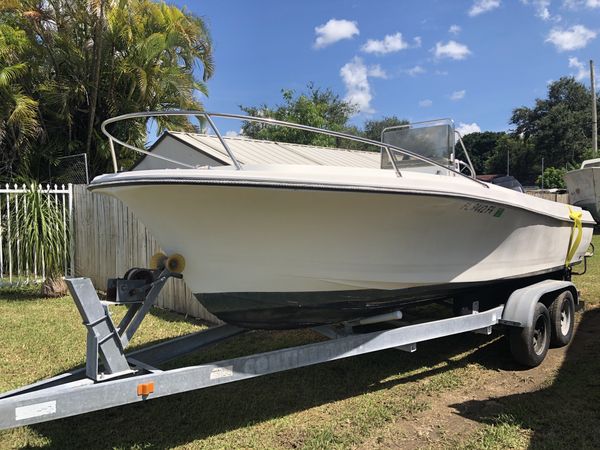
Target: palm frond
24, 116
10, 74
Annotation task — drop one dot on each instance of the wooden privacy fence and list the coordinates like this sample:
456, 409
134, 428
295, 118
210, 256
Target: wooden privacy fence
560, 198
14, 268
109, 239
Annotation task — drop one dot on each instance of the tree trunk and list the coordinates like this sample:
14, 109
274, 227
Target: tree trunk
96, 75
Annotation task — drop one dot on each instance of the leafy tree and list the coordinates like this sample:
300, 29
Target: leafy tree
87, 60
560, 125
521, 155
316, 107
481, 146
552, 178
373, 128
320, 108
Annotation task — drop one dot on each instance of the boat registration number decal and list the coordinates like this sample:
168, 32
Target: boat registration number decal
483, 208
221, 372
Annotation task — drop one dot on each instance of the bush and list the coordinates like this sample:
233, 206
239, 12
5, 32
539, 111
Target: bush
44, 237
553, 178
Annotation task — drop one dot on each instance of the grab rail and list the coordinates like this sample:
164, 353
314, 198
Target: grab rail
464, 149
388, 148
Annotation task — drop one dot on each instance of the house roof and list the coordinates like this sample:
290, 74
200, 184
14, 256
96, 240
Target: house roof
253, 151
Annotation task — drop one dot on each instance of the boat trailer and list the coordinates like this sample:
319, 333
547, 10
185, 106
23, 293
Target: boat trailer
112, 377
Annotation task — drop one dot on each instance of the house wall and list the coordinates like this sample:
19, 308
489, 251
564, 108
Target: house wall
172, 148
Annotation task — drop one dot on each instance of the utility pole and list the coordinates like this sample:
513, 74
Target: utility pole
594, 111
507, 162
542, 173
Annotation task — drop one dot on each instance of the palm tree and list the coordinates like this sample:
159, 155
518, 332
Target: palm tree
97, 7
92, 59
19, 123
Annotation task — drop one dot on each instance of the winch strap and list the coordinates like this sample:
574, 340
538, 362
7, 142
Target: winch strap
576, 216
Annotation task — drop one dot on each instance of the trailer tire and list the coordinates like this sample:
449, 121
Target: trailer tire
529, 345
562, 319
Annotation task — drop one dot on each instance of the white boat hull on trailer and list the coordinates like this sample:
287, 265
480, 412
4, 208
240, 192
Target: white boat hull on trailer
292, 246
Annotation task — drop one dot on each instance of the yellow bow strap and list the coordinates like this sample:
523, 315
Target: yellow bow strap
576, 216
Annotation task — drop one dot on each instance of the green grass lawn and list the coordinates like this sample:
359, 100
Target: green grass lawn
362, 402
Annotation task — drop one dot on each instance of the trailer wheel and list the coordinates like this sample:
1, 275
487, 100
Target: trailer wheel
562, 319
529, 345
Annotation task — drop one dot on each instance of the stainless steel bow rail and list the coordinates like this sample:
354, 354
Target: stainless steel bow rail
390, 149
113, 378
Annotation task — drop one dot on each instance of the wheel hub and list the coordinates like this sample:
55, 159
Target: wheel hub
539, 336
565, 320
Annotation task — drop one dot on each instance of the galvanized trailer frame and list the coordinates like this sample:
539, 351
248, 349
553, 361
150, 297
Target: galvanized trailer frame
133, 377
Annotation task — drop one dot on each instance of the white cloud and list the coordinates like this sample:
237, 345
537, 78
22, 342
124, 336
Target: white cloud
576, 4
390, 43
417, 40
377, 72
425, 103
467, 128
358, 91
482, 6
458, 95
572, 38
333, 31
232, 133
416, 70
441, 72
454, 29
542, 9
582, 71
451, 49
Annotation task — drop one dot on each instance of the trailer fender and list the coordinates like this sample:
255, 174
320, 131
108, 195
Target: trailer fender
520, 306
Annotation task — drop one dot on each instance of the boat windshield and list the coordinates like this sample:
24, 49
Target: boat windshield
433, 140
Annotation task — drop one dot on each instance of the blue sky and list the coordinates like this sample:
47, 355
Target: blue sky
473, 61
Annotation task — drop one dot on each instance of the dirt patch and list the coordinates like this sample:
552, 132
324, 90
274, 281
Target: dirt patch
454, 416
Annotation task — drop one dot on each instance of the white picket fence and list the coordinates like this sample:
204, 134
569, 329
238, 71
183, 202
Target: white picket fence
13, 269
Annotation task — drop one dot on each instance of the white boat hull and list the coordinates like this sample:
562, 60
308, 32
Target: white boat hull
305, 247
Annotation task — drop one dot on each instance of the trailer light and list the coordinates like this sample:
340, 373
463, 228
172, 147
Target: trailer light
145, 389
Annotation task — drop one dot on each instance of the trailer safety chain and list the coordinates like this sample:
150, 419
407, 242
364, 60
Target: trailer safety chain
576, 216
